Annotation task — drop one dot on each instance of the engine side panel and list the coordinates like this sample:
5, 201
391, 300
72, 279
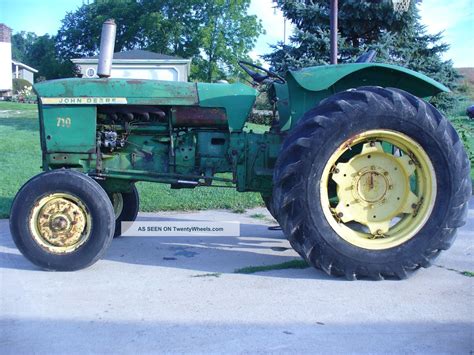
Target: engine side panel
69, 129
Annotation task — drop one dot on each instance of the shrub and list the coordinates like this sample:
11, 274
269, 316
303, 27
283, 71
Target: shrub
20, 84
23, 91
264, 117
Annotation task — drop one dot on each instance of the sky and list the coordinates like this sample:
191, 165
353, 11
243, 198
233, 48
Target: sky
454, 17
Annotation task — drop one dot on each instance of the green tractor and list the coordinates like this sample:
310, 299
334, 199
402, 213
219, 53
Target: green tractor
366, 178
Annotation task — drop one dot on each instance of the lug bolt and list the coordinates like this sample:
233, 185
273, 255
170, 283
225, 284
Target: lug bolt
385, 173
372, 144
390, 187
413, 205
336, 171
340, 214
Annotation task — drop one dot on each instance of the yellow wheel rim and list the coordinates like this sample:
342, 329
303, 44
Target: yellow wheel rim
378, 189
117, 203
60, 223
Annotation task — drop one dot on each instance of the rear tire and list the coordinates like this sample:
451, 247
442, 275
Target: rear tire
303, 176
62, 220
268, 200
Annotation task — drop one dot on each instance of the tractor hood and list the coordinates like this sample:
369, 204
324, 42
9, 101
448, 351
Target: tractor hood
116, 91
360, 74
236, 99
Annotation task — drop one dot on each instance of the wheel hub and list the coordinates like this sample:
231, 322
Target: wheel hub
59, 222
373, 188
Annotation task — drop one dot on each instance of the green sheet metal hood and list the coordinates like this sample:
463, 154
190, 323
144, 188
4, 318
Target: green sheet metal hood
127, 91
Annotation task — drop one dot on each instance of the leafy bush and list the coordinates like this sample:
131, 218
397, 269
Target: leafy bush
262, 102
20, 84
23, 91
264, 117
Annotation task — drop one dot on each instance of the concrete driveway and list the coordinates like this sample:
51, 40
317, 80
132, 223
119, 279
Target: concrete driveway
162, 294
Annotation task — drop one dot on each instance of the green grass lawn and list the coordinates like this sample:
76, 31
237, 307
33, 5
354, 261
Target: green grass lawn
21, 159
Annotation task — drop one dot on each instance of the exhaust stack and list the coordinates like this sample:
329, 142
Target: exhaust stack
107, 44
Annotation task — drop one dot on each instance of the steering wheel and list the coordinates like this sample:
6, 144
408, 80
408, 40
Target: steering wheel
259, 78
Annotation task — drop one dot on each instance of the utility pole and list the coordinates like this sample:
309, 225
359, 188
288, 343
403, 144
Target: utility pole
333, 25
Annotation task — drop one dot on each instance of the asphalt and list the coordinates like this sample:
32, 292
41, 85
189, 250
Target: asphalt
181, 295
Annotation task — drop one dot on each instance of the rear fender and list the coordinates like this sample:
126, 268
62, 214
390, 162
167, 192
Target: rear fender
307, 87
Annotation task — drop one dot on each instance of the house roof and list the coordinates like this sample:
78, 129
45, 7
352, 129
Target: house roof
136, 54
24, 66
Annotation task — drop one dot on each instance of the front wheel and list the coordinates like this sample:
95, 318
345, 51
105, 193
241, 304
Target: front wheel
62, 220
372, 183
126, 206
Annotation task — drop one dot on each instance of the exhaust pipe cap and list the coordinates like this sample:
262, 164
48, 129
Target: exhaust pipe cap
107, 44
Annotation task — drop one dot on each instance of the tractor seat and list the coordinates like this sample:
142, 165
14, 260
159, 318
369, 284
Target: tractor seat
367, 57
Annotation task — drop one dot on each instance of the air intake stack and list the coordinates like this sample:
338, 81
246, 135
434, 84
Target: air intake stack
107, 44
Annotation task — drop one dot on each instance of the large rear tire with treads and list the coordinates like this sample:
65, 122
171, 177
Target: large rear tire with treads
372, 183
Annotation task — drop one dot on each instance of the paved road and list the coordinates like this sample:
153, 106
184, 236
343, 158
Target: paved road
153, 294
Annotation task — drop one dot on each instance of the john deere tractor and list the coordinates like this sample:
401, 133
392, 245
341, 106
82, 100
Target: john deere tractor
366, 178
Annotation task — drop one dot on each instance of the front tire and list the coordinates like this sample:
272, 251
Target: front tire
62, 220
126, 206
372, 183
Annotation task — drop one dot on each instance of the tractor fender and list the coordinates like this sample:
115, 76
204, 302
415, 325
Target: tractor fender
362, 74
307, 87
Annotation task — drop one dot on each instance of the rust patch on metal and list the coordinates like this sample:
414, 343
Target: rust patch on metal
136, 81
195, 116
348, 143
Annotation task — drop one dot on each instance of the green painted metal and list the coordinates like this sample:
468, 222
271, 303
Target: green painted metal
307, 87
70, 129
192, 131
236, 99
280, 92
323, 77
137, 92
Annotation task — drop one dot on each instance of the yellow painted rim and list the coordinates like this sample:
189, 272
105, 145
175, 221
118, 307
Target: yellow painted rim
60, 223
382, 195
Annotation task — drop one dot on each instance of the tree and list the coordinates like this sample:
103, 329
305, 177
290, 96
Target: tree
228, 35
21, 42
40, 53
42, 56
214, 33
399, 38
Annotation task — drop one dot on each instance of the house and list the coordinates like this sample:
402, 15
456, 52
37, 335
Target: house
5, 60
23, 71
11, 69
139, 64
